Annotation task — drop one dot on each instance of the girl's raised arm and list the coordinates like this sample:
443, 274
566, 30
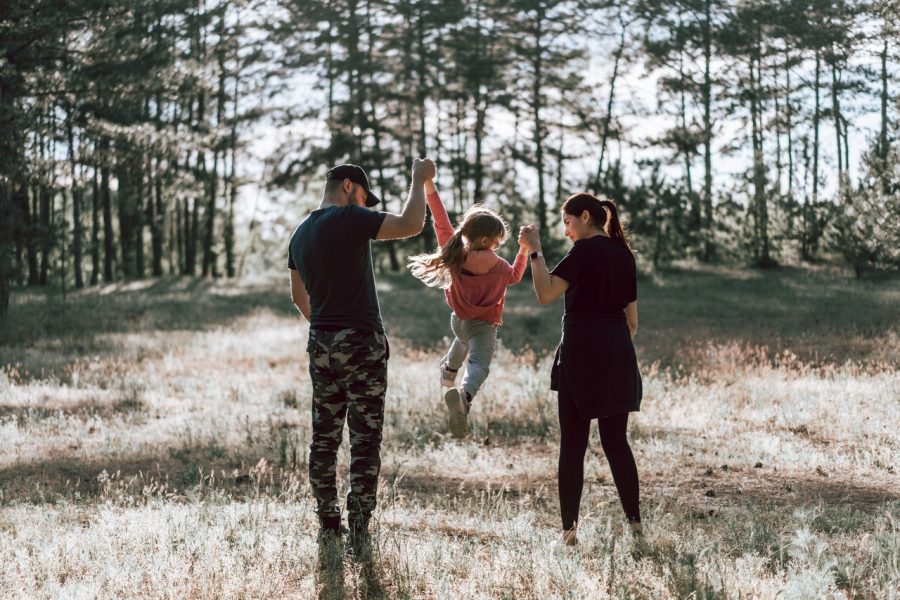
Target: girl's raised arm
442, 226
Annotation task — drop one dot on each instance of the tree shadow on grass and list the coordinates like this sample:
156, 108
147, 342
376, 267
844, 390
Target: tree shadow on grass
165, 304
195, 471
199, 472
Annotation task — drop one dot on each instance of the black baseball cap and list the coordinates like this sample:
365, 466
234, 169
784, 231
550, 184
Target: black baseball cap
355, 174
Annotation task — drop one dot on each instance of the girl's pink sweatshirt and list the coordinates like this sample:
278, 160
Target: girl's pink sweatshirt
479, 291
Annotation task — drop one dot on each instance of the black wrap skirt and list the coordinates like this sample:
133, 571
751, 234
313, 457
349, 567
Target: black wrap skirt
596, 364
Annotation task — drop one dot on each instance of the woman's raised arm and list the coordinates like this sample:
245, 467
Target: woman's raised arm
547, 287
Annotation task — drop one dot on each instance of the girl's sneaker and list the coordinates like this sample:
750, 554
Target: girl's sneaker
458, 405
448, 376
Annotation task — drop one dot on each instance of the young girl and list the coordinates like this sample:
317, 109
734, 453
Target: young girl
474, 279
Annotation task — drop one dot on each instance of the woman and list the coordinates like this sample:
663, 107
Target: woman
595, 371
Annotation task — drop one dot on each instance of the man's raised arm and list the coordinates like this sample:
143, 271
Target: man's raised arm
412, 220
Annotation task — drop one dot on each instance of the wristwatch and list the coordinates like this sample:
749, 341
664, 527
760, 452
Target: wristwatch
535, 255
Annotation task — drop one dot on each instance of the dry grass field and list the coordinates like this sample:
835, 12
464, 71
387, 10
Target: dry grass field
154, 442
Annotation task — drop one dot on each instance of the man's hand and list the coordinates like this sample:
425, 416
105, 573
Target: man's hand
423, 169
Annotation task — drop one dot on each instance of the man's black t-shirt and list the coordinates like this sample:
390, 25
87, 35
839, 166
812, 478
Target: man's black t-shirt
602, 276
330, 250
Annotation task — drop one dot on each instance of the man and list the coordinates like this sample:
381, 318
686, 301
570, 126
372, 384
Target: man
333, 285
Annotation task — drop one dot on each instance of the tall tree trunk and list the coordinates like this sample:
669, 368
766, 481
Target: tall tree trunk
805, 238
95, 224
126, 175
481, 102
6, 243
209, 257
600, 177
178, 261
428, 238
788, 123
779, 166
459, 154
22, 199
536, 105
883, 134
560, 153
139, 218
232, 178
709, 242
759, 176
688, 180
187, 266
836, 110
43, 198
817, 117
76, 205
156, 218
331, 75
33, 227
46, 199
63, 259
194, 236
109, 249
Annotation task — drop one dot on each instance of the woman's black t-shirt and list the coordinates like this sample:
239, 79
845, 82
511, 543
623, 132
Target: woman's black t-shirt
602, 276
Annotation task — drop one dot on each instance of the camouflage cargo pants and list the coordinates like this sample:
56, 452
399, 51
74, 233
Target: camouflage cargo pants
348, 369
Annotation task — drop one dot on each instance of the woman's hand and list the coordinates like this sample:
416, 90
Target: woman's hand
529, 238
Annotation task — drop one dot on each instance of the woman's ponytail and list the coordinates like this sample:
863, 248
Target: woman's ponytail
604, 214
614, 227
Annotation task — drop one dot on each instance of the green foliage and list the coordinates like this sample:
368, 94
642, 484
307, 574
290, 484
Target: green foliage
866, 228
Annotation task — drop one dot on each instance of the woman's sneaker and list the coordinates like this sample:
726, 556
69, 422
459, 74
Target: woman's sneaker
448, 376
458, 405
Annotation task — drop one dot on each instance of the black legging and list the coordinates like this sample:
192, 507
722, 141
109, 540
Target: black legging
574, 434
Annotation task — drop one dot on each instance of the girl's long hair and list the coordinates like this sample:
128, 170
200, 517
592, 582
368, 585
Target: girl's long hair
439, 268
603, 213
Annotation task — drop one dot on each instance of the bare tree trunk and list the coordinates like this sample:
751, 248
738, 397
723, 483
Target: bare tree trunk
126, 175
759, 175
607, 118
536, 105
22, 201
232, 180
689, 182
789, 126
6, 243
139, 212
63, 259
428, 238
836, 109
177, 252
560, 153
46, 200
95, 226
709, 242
817, 116
109, 248
156, 218
459, 155
76, 205
883, 134
838, 123
43, 197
